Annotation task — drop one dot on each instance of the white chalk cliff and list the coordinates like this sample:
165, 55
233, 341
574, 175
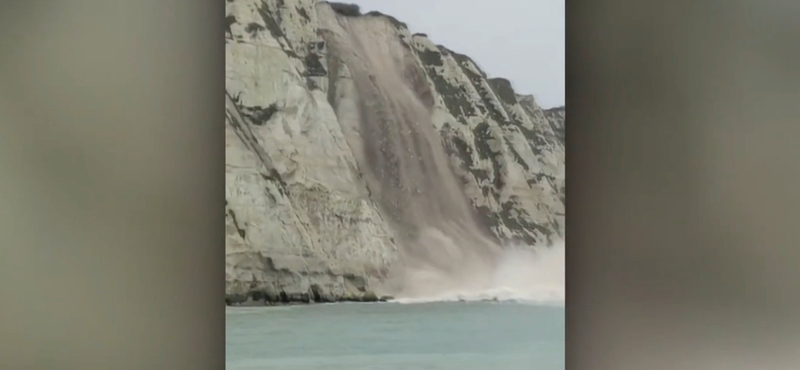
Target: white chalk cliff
352, 144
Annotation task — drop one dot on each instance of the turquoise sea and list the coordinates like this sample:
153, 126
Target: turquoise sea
394, 336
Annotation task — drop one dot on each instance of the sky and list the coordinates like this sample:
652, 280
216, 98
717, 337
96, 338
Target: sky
521, 40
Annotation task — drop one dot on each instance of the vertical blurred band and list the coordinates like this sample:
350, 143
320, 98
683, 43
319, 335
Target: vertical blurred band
112, 183
683, 146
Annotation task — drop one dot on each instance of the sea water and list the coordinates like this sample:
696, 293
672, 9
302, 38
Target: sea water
389, 336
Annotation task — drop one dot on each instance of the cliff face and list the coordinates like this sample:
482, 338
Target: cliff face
322, 104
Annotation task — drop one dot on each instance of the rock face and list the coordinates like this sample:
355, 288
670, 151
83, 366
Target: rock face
308, 217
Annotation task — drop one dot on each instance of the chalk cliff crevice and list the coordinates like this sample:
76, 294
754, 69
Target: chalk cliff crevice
307, 217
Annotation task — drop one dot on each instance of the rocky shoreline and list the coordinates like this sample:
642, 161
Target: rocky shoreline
263, 298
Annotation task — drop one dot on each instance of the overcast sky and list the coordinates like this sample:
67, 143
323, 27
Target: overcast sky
521, 40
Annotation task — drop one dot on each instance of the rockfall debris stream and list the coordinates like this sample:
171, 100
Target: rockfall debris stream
445, 252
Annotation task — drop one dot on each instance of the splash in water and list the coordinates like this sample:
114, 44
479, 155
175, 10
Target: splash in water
521, 275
